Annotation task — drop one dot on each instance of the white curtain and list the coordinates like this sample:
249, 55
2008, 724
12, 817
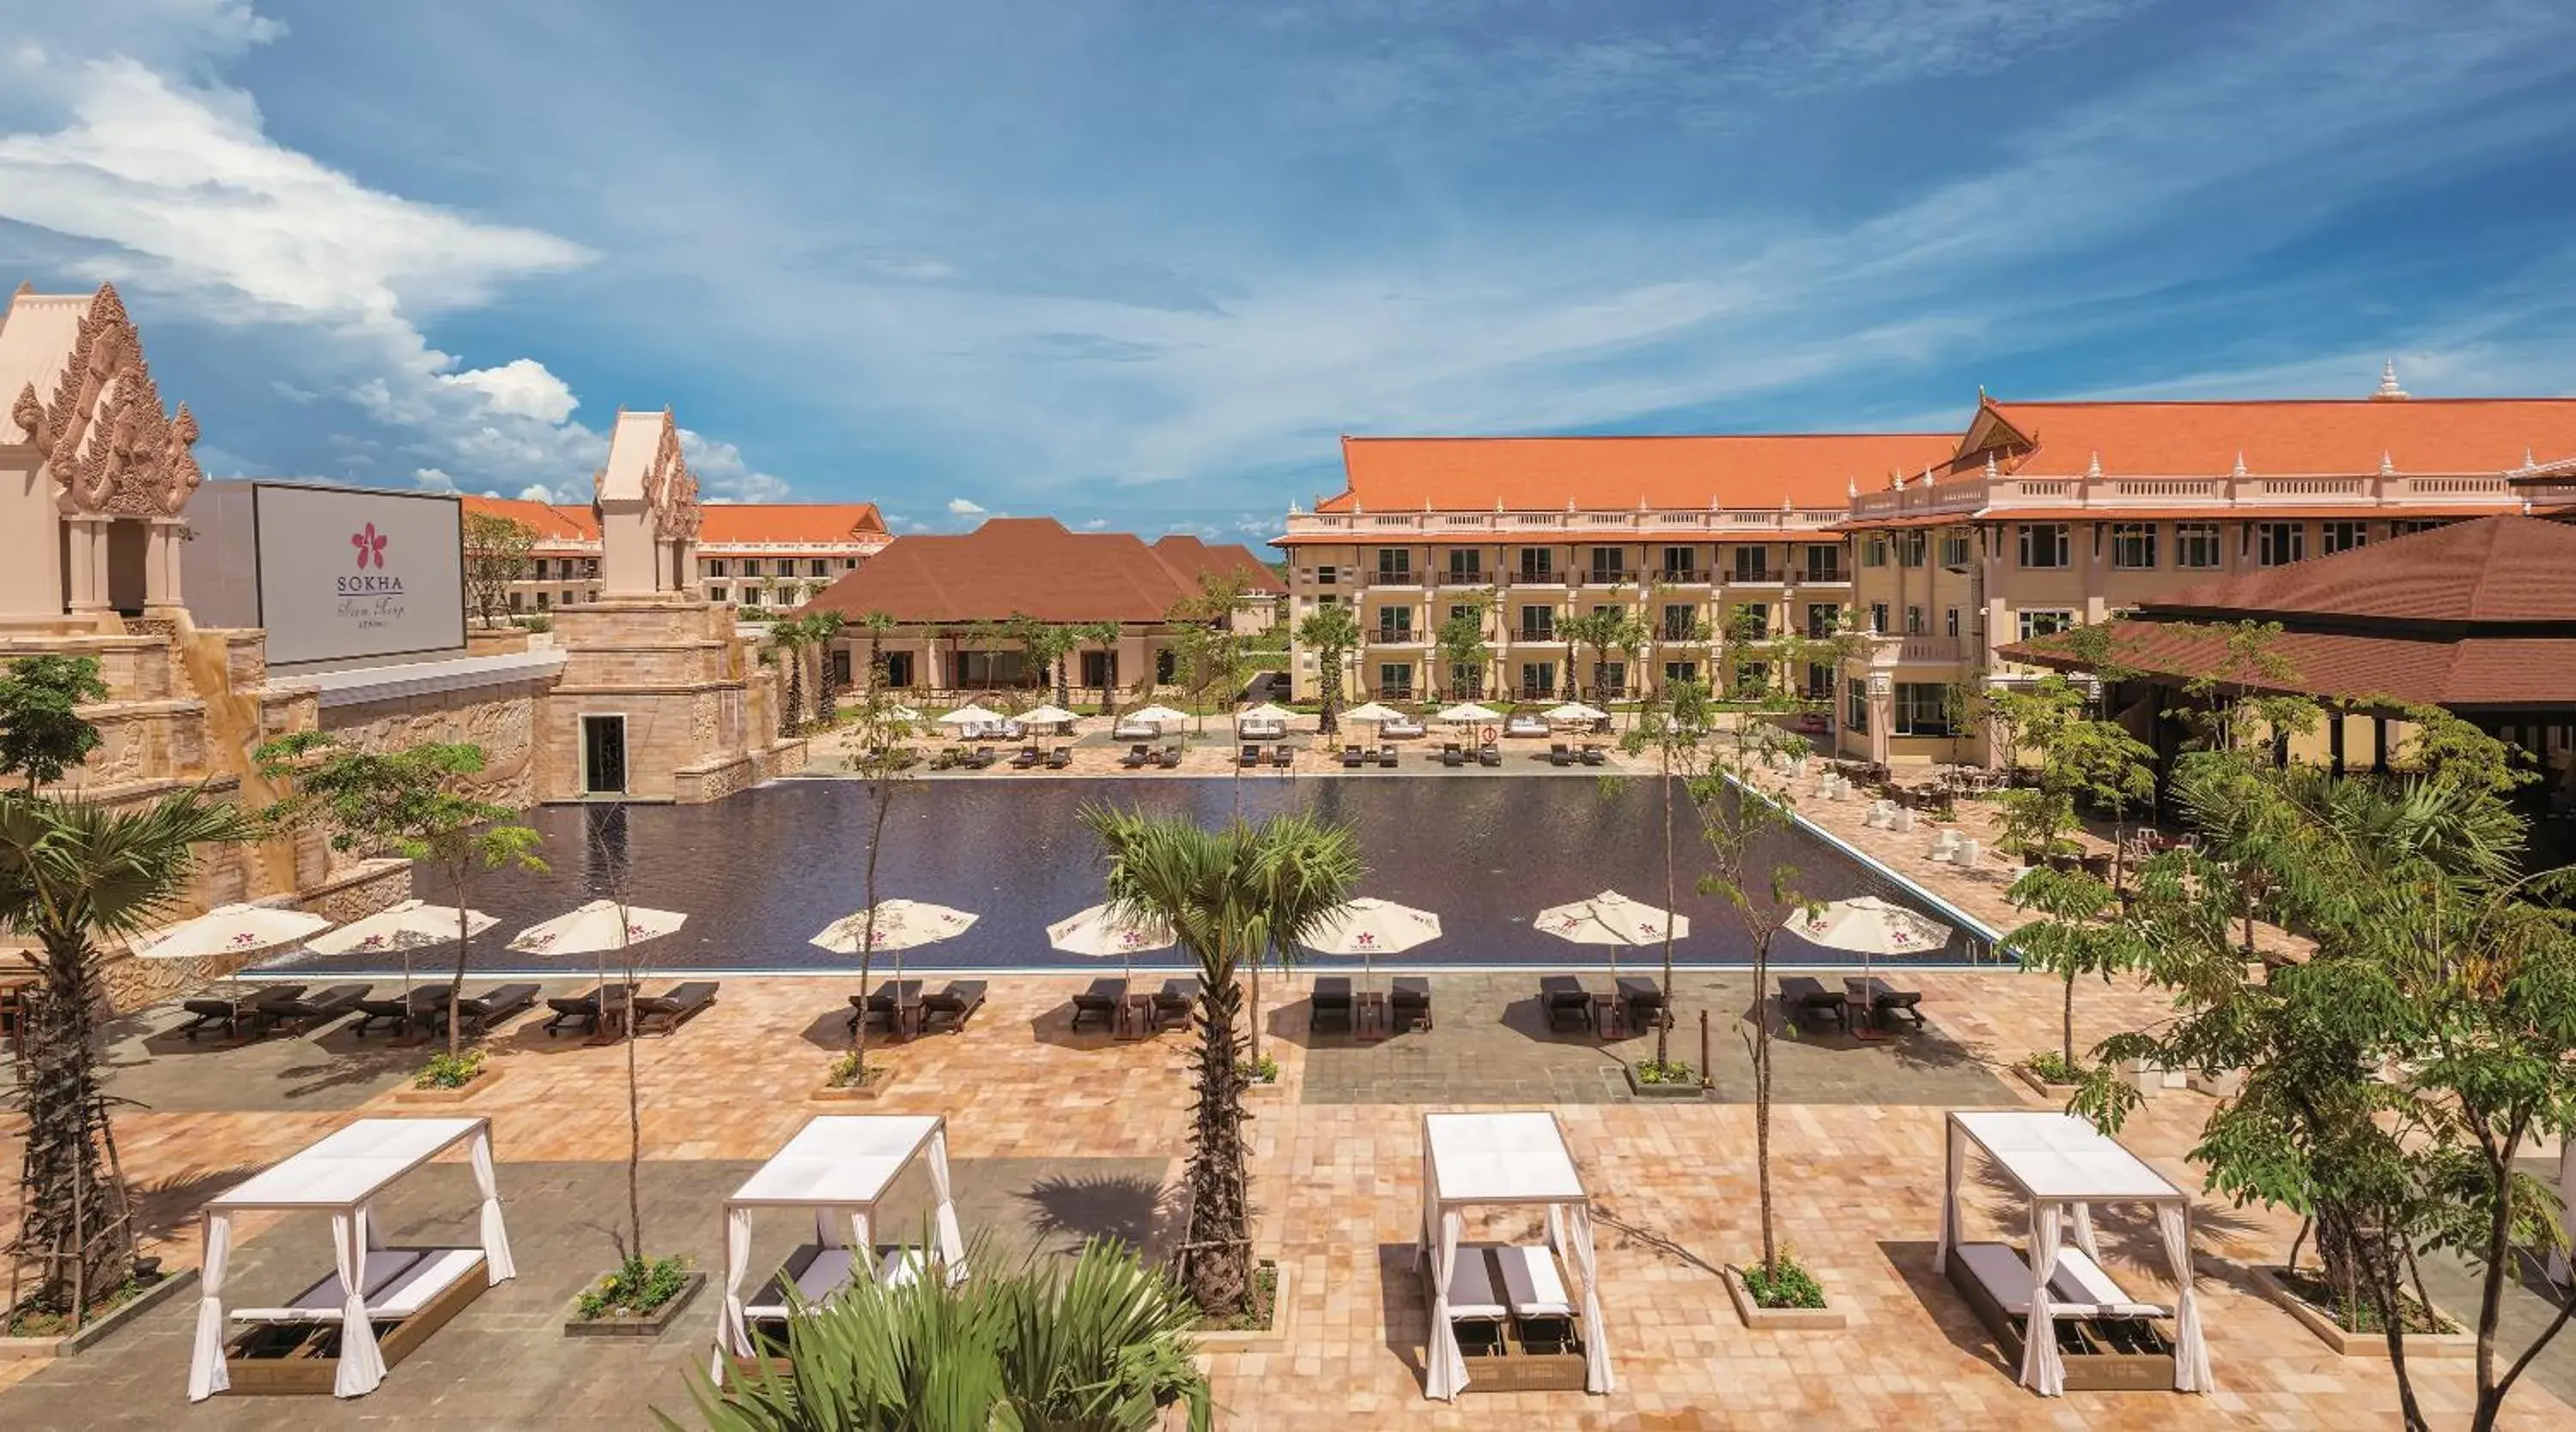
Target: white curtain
1445, 1373
2042, 1370
732, 1336
2084, 1231
952, 1242
206, 1373
2191, 1357
1948, 1236
367, 1221
498, 1266
362, 1366
863, 1244
1596, 1339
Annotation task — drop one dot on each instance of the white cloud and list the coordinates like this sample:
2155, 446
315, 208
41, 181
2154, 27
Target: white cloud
1096, 524
723, 475
963, 507
433, 479
520, 388
535, 492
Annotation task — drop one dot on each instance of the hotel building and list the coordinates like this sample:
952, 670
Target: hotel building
768, 555
1943, 547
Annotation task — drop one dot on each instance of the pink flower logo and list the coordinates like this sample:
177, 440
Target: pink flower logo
371, 546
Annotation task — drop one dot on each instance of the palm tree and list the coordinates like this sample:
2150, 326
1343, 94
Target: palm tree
1228, 895
1332, 634
1049, 645
1105, 636
878, 624
824, 628
787, 638
71, 874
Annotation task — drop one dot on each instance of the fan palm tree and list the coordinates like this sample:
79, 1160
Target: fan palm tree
787, 638
823, 628
1332, 633
1229, 895
1104, 635
71, 874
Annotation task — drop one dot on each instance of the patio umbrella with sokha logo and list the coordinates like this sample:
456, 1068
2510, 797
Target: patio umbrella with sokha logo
1612, 919
899, 925
1099, 932
1369, 927
1866, 925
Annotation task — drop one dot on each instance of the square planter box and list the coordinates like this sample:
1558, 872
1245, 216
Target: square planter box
480, 1082
1763, 1319
95, 1332
2056, 1094
859, 1093
1687, 1090
1283, 1305
2371, 1345
577, 1326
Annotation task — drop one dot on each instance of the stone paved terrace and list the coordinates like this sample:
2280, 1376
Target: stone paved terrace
1055, 1133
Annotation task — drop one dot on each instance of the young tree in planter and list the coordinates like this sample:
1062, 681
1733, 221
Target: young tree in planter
1104, 635
73, 874
499, 551
879, 730
1226, 894
43, 736
2077, 935
417, 802
1671, 726
1332, 634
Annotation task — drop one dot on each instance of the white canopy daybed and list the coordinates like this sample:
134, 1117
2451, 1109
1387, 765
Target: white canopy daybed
840, 1166
288, 1348
1509, 1160
2062, 1166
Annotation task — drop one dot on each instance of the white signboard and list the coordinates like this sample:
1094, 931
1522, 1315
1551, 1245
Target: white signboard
347, 573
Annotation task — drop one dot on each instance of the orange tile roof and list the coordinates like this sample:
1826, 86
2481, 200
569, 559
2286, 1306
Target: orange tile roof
550, 521
819, 523
2424, 435
1809, 470
1192, 558
2496, 569
1028, 566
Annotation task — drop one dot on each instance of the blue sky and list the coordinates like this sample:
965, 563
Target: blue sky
1141, 262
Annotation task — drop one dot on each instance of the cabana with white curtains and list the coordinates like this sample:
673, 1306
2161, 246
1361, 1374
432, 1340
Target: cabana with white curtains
1504, 1160
414, 1289
2062, 1166
840, 1166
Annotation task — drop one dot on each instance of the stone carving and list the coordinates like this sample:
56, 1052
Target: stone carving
671, 488
110, 448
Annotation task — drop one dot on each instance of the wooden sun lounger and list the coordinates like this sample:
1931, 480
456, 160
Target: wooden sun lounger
1801, 994
1176, 1000
882, 1005
481, 1012
952, 1006
399, 1282
1593, 755
1331, 1002
1059, 758
232, 1014
1282, 756
2077, 1288
675, 1006
1248, 756
1353, 758
1645, 1001
1475, 1302
1489, 755
1567, 1004
1102, 999
1409, 1003
1560, 754
1170, 760
302, 1015
1451, 755
1026, 758
1137, 756
1386, 757
583, 1009
1882, 999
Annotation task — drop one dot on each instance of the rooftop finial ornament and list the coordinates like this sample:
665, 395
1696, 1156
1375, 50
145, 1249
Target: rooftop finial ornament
2094, 467
1990, 465
2387, 464
1851, 487
2388, 392
2239, 469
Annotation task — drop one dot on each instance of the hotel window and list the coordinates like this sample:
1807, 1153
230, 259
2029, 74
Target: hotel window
1396, 680
1954, 623
1749, 622
1753, 678
715, 594
1681, 564
1824, 563
1538, 680
1753, 564
2133, 546
2407, 527
1856, 706
1609, 564
1913, 620
1466, 567
569, 598
715, 566
2196, 546
1820, 682
590, 567
787, 566
1466, 678
841, 666
1680, 671
1614, 677
753, 596
541, 601
1538, 564
1326, 575
1954, 549
541, 569
1395, 564
514, 601
1467, 614
2045, 622
1823, 619
2043, 544
1679, 622
1878, 618
818, 568
1873, 550
1395, 624
2278, 544
1919, 710
1909, 549
849, 564
1538, 623
2333, 537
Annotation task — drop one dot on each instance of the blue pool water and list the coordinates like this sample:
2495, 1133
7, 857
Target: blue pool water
760, 873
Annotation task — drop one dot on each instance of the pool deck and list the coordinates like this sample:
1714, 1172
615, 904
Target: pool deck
1056, 1132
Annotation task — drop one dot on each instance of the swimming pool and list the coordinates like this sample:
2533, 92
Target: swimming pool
760, 873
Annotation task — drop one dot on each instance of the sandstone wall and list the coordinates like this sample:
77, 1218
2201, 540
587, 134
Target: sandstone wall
500, 719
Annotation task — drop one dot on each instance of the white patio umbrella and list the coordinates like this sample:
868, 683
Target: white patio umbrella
1368, 927
1098, 932
595, 929
229, 930
404, 927
1612, 919
1576, 711
1469, 713
900, 925
1373, 713
1158, 715
1267, 711
971, 715
1047, 716
1869, 926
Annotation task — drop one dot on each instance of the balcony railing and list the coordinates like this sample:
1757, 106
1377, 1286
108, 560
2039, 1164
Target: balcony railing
1558, 525
1818, 575
1527, 578
1472, 577
1533, 635
2186, 495
1681, 577
1608, 577
1758, 577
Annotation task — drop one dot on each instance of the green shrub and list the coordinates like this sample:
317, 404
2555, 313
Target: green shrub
1666, 1071
847, 1074
636, 1289
540, 622
1264, 1070
2051, 1065
1785, 1284
449, 1071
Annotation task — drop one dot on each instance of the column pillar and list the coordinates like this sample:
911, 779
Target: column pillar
1882, 714
88, 594
162, 564
2093, 603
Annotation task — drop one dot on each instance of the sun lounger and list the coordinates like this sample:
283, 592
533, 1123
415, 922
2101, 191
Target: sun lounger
1476, 1301
1542, 1311
2078, 1288
1524, 723
1451, 755
1175, 1001
1248, 756
1404, 728
952, 1006
1410, 1002
1282, 757
881, 1006
1170, 760
297, 1014
1386, 757
399, 1283
1059, 758
1645, 1001
1489, 754
1102, 999
1353, 758
231, 1013
1560, 754
1802, 994
985, 756
583, 1009
1136, 756
1026, 758
1567, 1004
1593, 755
1882, 999
483, 1011
675, 1006
1330, 1003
